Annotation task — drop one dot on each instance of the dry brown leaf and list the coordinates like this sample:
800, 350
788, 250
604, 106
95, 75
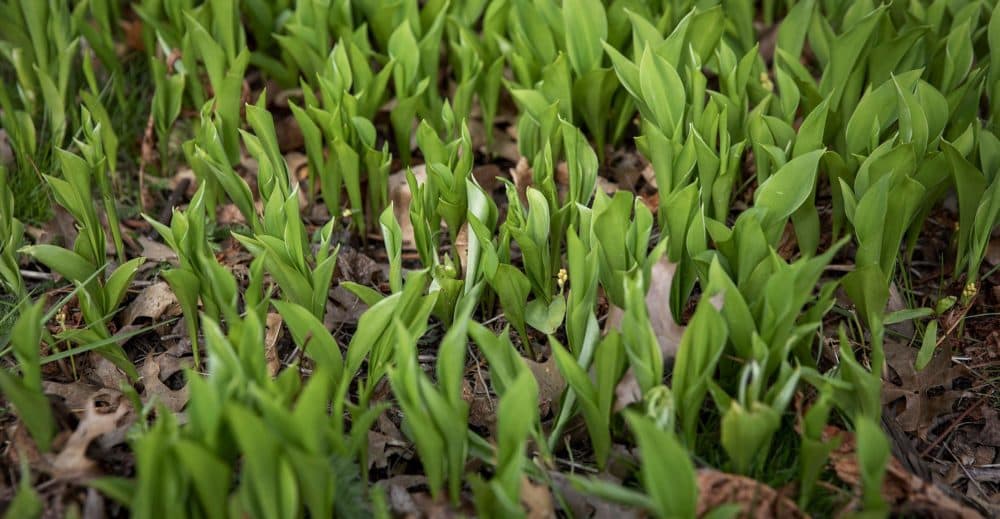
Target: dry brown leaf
482, 408
154, 388
586, 506
356, 266
229, 214
289, 134
486, 176
154, 302
400, 195
505, 145
609, 187
990, 434
922, 402
71, 462
133, 30
550, 384
896, 303
184, 174
993, 252
59, 230
381, 447
77, 395
298, 166
104, 372
342, 307
902, 447
537, 500
156, 252
668, 332
271, 335
401, 502
626, 167
649, 175
755, 499
909, 495
462, 245
523, 178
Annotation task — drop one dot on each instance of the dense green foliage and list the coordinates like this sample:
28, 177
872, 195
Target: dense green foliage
849, 126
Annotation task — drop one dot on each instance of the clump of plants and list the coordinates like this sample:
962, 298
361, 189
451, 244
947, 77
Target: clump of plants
725, 309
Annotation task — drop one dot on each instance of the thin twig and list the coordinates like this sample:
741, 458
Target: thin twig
955, 423
41, 276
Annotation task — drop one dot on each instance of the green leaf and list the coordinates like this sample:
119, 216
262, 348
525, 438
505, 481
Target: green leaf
848, 51
662, 91
392, 235
792, 32
118, 283
586, 27
877, 109
670, 482
970, 185
311, 335
927, 346
789, 187
512, 287
32, 407
705, 31
67, 263
913, 125
545, 318
210, 475
873, 455
908, 314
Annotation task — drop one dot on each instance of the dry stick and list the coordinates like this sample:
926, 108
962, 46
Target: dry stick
958, 321
954, 424
961, 465
34, 275
145, 153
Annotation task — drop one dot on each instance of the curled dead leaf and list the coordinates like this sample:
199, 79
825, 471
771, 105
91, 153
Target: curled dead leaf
154, 303
78, 394
154, 387
754, 499
462, 245
72, 462
271, 335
